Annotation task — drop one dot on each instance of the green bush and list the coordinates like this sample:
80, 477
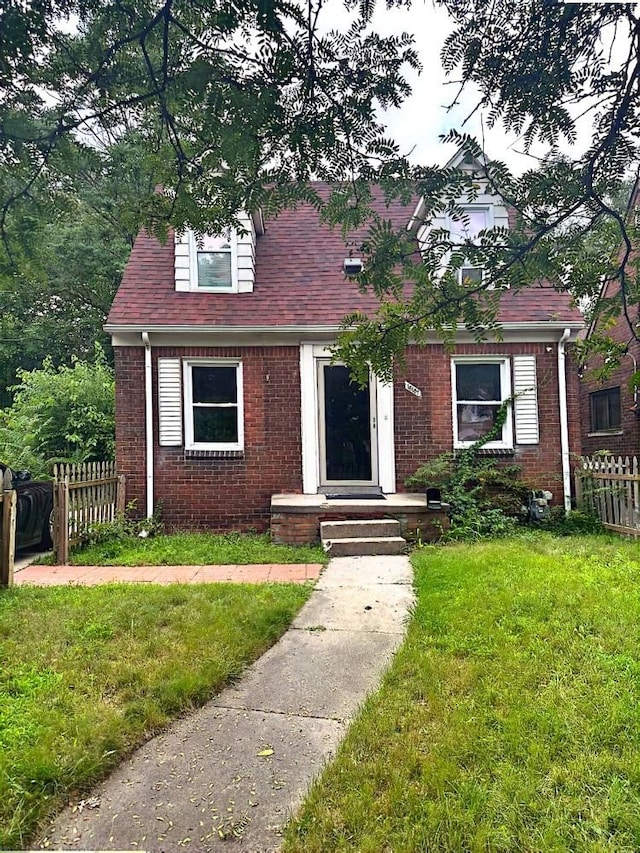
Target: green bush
569, 524
60, 414
486, 499
125, 526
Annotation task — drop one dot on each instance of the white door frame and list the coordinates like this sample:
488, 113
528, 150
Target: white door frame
384, 448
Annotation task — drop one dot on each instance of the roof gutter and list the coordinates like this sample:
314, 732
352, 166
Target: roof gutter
564, 421
332, 329
148, 413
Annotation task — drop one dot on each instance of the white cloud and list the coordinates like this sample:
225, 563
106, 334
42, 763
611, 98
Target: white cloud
426, 115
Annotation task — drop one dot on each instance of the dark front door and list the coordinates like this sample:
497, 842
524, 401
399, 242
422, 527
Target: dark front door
346, 427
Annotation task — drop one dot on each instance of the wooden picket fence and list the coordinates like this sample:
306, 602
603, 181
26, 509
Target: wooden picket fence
8, 507
609, 487
84, 495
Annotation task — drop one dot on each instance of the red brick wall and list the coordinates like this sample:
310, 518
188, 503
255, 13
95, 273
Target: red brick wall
224, 494
424, 426
130, 435
626, 440
217, 494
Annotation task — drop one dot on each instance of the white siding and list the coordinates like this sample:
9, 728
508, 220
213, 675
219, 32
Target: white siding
525, 390
243, 259
169, 402
246, 255
183, 262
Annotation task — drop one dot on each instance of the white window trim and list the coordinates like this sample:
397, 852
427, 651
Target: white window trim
467, 266
506, 443
489, 224
189, 441
488, 208
193, 265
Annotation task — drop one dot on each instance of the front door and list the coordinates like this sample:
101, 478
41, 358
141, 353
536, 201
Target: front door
348, 451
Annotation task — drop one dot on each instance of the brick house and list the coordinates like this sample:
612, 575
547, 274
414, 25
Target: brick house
610, 409
230, 413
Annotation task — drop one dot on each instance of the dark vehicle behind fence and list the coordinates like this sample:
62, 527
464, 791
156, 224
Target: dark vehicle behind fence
35, 505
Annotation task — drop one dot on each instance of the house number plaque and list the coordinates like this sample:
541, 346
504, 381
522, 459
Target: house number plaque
412, 389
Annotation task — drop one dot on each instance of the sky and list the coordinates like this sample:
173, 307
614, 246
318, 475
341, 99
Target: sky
424, 117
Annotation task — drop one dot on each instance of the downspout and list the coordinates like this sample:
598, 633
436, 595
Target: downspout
635, 370
564, 424
148, 417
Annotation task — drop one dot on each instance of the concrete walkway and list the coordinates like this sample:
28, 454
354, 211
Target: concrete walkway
240, 766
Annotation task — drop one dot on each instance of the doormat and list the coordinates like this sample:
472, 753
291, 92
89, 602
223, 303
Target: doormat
375, 496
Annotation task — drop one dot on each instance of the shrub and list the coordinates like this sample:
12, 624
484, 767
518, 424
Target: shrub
60, 414
485, 499
126, 526
568, 524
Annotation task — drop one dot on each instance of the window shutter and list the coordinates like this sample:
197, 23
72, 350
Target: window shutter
169, 402
525, 389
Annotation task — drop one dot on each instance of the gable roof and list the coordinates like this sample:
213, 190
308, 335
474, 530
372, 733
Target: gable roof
299, 282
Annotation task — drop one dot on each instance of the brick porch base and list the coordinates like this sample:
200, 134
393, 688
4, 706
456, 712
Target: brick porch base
295, 519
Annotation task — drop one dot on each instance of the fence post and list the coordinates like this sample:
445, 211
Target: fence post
61, 539
578, 485
8, 541
120, 495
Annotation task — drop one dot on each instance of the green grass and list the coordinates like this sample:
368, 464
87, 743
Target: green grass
509, 720
88, 673
194, 549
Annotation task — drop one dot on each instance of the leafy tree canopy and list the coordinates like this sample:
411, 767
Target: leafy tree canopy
62, 261
240, 104
59, 414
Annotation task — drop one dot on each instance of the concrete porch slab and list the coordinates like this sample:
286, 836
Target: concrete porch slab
313, 503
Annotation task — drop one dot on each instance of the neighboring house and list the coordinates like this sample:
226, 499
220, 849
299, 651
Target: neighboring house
226, 395
610, 409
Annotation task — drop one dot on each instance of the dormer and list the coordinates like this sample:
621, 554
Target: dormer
219, 263
482, 211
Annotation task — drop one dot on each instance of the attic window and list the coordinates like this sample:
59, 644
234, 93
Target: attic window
476, 219
214, 267
471, 276
466, 230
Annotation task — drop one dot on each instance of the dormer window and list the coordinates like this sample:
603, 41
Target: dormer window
218, 263
476, 219
215, 262
470, 276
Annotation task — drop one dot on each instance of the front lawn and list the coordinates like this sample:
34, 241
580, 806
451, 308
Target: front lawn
89, 673
509, 720
194, 549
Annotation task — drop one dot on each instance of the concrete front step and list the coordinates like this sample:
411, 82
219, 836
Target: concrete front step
362, 528
364, 546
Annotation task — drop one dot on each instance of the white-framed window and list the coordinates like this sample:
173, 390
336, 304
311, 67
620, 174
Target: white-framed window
214, 264
213, 407
479, 387
477, 218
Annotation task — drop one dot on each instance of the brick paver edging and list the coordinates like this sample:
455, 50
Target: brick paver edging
93, 575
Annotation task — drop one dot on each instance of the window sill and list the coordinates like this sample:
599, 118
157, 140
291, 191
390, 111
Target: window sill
488, 451
213, 454
203, 289
605, 432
